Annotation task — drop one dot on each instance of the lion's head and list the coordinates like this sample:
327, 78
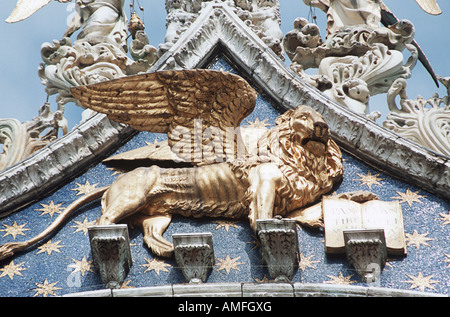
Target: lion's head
309, 159
307, 128
311, 162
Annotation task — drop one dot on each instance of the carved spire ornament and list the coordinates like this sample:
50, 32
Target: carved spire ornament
262, 16
359, 57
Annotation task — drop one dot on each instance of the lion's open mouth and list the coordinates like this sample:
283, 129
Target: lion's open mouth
305, 141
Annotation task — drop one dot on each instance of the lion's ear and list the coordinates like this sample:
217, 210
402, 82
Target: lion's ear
285, 116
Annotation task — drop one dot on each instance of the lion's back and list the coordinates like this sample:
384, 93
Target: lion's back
211, 190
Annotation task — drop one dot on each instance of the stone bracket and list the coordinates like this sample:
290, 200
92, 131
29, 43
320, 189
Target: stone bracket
110, 247
194, 254
366, 251
279, 247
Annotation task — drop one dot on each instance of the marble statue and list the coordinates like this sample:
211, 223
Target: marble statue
346, 13
359, 58
99, 52
178, 19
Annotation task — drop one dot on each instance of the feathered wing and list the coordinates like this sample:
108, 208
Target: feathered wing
429, 6
25, 8
182, 104
388, 18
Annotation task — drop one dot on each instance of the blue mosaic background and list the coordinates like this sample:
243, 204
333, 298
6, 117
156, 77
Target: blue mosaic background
68, 268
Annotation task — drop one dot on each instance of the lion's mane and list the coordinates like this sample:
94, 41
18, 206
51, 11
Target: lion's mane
306, 175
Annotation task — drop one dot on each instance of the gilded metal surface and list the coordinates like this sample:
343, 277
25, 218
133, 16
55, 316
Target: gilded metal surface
301, 163
308, 167
173, 102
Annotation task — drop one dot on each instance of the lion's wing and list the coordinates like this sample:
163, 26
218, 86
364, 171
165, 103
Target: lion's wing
164, 101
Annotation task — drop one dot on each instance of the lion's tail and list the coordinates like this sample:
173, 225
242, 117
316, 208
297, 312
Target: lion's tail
8, 249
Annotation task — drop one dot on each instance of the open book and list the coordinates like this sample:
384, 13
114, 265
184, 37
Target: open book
344, 214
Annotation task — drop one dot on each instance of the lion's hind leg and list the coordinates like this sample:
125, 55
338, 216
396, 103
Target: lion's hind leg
128, 195
153, 228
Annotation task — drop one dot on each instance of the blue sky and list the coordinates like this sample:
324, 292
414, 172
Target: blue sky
22, 92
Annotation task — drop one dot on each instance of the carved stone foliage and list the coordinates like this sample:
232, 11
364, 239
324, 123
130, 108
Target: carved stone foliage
425, 121
358, 59
366, 251
110, 247
20, 140
99, 53
262, 16
194, 254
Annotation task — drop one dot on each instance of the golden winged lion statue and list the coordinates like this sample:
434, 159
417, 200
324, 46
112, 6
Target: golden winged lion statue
300, 164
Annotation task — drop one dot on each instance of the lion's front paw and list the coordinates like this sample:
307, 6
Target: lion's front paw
159, 245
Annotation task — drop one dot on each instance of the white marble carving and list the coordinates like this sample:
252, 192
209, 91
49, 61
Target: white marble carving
347, 13
356, 78
142, 52
265, 16
359, 57
262, 16
99, 53
219, 29
20, 140
178, 20
424, 121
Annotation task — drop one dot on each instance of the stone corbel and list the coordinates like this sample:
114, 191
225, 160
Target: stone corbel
110, 247
366, 251
194, 254
279, 247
